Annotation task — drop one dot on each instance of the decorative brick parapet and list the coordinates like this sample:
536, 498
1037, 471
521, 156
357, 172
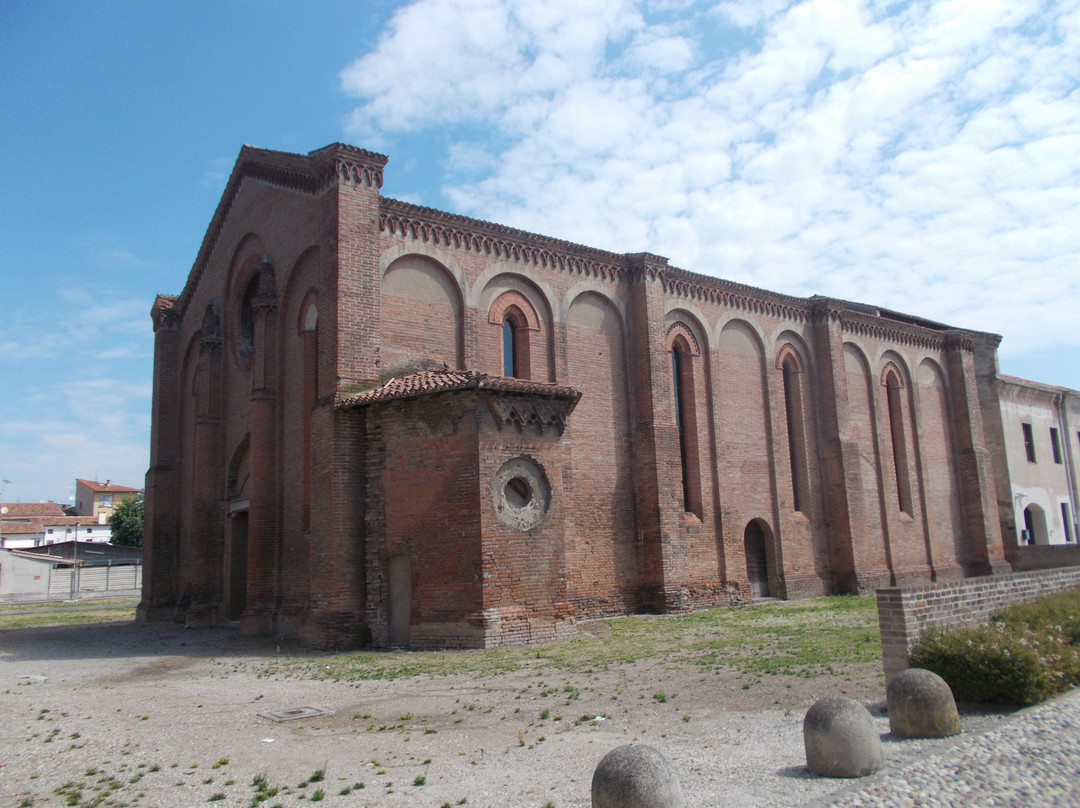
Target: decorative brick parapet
904, 614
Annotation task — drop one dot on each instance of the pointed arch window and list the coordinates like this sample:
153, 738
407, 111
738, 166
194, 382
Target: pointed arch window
791, 368
893, 386
517, 321
515, 343
683, 389
309, 336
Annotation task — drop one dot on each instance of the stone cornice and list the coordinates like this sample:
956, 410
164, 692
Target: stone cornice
311, 174
495, 240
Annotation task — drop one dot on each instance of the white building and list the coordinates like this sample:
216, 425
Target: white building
1041, 426
36, 524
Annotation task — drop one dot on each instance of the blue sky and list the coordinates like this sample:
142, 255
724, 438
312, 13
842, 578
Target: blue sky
919, 156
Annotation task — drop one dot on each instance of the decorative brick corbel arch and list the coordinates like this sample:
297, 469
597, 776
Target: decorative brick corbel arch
891, 368
788, 351
680, 329
513, 299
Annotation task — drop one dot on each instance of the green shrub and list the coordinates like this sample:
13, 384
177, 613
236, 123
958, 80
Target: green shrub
983, 665
1029, 652
1060, 611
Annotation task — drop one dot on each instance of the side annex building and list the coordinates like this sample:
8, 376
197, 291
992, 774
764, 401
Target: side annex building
380, 424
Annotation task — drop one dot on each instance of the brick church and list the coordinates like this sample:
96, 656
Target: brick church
381, 424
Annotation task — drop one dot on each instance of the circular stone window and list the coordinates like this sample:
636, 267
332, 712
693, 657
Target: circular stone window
521, 493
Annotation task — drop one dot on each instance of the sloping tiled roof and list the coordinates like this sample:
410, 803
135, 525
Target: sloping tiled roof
425, 382
21, 510
107, 487
30, 524
22, 527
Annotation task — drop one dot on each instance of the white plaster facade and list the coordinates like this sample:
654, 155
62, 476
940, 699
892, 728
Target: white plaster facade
1041, 425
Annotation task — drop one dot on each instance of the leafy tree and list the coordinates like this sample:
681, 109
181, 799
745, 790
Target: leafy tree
126, 522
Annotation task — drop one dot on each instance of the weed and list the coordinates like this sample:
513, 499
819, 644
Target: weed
217, 796
317, 795
419, 780
660, 696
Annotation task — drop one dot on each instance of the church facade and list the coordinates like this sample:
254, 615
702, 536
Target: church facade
381, 424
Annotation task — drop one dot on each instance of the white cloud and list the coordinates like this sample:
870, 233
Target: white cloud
922, 157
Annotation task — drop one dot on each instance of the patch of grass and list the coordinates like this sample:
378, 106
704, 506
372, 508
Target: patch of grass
39, 616
795, 638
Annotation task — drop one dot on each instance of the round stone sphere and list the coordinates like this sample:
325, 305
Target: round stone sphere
921, 705
635, 776
840, 739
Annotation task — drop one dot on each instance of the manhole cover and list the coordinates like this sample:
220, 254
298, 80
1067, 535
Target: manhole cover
293, 713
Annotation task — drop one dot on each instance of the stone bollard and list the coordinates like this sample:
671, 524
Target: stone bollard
921, 705
840, 739
635, 776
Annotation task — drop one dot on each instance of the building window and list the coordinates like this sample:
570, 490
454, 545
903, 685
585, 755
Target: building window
1029, 442
515, 344
105, 501
793, 406
899, 442
1055, 445
50, 531
1066, 521
309, 335
682, 371
508, 348
245, 338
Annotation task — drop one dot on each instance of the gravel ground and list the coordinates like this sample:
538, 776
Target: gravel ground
159, 716
1030, 761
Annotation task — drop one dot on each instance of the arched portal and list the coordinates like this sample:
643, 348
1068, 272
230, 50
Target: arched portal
1035, 525
757, 559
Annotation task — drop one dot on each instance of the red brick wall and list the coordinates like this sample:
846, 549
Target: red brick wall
601, 555
420, 311
939, 469
335, 493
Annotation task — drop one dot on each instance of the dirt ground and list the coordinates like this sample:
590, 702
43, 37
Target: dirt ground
124, 714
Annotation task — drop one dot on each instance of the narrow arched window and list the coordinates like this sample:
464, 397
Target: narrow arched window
796, 433
515, 343
509, 366
309, 335
899, 442
245, 338
682, 372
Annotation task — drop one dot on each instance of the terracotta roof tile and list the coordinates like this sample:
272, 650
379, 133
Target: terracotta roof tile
426, 382
18, 510
107, 487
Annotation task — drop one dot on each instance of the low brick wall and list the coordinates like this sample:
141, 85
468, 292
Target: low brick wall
904, 614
